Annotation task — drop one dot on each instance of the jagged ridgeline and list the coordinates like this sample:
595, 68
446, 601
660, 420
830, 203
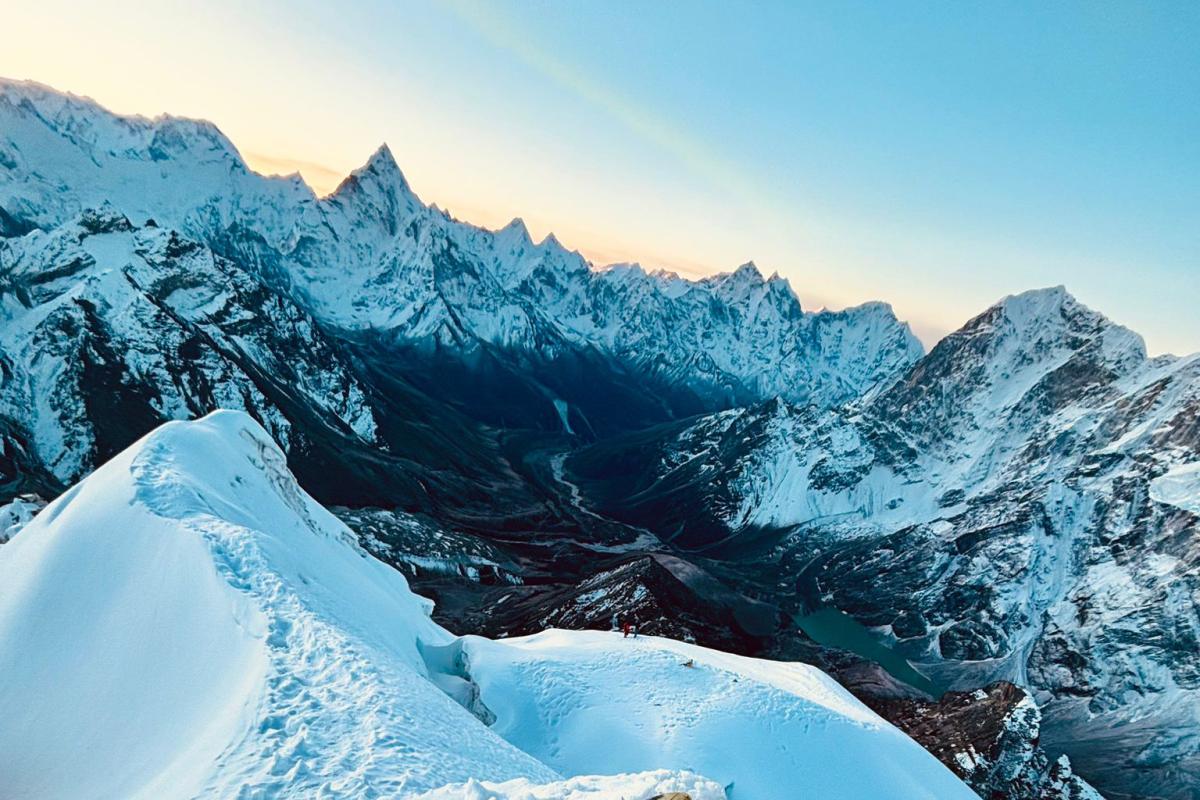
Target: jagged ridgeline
537, 442
215, 285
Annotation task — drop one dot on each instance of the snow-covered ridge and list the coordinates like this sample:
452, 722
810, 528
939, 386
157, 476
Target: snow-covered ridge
373, 257
188, 622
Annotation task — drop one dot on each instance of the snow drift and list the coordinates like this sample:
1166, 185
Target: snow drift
188, 622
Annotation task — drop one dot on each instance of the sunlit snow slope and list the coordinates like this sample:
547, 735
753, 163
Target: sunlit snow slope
188, 622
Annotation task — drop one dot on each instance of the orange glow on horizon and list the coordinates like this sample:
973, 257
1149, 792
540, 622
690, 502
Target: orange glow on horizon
321, 179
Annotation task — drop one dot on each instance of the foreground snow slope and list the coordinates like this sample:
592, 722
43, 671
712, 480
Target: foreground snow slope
116, 636
590, 701
188, 622
590, 787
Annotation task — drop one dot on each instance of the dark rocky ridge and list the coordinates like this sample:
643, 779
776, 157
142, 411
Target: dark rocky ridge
990, 738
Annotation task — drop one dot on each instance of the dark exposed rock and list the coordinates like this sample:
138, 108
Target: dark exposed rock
991, 739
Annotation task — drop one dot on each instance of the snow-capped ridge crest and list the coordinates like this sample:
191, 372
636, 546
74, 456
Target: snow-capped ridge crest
381, 171
82, 120
1054, 316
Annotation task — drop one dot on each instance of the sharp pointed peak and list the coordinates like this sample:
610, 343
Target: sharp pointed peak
515, 227
750, 270
514, 236
380, 166
383, 162
379, 173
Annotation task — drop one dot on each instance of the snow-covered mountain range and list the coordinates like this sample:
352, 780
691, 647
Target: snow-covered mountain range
372, 261
538, 442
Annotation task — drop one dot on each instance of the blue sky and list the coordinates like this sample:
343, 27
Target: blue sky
934, 155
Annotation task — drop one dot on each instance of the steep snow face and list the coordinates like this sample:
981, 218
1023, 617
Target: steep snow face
1179, 486
188, 622
371, 258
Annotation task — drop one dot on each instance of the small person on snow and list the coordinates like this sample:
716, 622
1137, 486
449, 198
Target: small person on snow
634, 628
625, 628
691, 662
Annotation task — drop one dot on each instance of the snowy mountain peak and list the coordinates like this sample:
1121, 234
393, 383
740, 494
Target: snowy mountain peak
1025, 356
378, 187
745, 284
1050, 307
749, 270
874, 309
745, 275
81, 121
516, 230
551, 241
383, 165
1052, 317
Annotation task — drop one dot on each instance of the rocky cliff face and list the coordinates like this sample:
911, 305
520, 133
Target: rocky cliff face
111, 329
990, 738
